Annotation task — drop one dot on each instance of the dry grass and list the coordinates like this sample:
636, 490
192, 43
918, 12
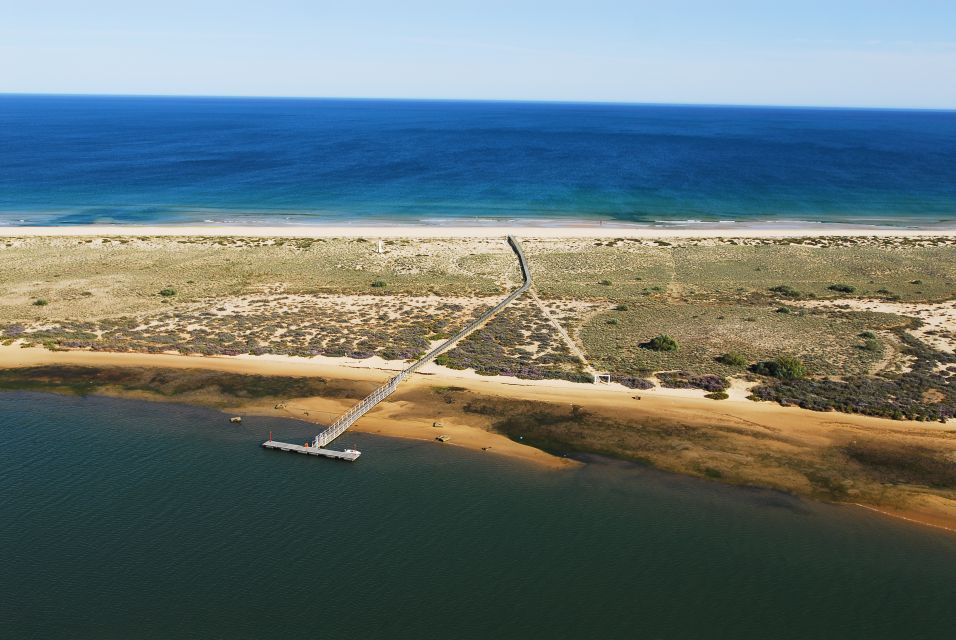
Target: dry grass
732, 269
98, 278
828, 343
316, 297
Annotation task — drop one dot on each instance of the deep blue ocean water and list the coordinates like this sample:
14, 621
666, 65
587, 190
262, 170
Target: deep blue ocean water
122, 519
74, 160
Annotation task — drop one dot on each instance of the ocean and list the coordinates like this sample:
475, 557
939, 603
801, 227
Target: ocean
120, 519
156, 160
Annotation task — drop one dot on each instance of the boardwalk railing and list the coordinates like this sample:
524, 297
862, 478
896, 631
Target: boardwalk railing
347, 419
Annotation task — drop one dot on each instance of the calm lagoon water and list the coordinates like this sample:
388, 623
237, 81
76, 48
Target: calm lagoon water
120, 519
137, 160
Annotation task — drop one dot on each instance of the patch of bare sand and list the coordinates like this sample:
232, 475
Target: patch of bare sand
938, 328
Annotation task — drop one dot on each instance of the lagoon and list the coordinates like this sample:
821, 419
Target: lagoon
120, 518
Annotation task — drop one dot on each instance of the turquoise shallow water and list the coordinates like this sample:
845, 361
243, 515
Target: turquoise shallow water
121, 519
85, 159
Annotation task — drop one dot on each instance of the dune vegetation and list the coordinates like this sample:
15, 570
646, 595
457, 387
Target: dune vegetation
689, 313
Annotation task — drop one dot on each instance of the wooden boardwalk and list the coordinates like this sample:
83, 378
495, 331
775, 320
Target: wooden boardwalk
347, 419
349, 455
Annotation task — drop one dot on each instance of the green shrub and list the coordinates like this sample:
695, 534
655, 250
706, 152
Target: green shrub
842, 288
40, 302
621, 307
167, 292
867, 335
898, 397
784, 367
872, 344
662, 342
717, 395
379, 284
783, 309
732, 359
785, 291
686, 380
612, 321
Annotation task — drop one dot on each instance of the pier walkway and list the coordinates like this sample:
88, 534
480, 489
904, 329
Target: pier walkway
350, 455
348, 418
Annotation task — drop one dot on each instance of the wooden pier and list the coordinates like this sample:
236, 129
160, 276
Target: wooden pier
349, 455
347, 419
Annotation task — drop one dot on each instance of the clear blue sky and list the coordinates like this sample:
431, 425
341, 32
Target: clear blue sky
797, 52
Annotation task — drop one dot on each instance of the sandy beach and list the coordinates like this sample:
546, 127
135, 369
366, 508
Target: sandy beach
659, 401
494, 229
316, 410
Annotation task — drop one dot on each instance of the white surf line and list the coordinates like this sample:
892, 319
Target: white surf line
902, 517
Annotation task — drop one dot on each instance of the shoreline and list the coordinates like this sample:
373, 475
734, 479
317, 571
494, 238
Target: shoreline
381, 421
812, 454
398, 418
377, 371
543, 231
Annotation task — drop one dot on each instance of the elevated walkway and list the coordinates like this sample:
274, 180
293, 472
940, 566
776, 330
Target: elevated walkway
349, 455
347, 419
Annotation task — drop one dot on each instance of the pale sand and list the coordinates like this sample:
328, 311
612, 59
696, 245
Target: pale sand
320, 410
582, 230
938, 328
391, 418
674, 404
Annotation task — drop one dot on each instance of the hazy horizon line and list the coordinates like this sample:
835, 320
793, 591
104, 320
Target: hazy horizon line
476, 100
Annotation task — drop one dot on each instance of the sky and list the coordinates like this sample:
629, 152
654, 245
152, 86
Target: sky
871, 53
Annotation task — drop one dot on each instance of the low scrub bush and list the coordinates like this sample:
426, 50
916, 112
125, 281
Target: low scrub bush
842, 288
685, 380
632, 382
662, 342
732, 359
784, 367
898, 397
785, 291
